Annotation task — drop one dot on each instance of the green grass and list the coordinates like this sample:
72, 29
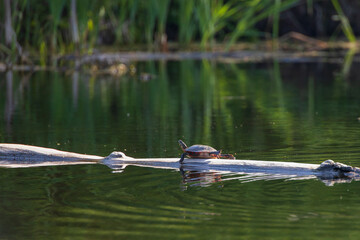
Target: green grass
344, 22
44, 25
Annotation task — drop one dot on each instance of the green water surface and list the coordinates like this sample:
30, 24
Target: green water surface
299, 112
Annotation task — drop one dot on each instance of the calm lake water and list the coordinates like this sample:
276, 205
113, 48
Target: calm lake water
299, 112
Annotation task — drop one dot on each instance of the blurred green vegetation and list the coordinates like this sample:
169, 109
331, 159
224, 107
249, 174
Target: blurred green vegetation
48, 28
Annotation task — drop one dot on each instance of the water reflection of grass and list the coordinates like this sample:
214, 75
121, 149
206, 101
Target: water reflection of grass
77, 201
240, 108
232, 106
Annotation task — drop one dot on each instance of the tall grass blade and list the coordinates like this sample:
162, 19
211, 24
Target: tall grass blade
56, 8
205, 24
151, 20
186, 21
254, 12
213, 18
244, 22
162, 7
73, 23
344, 22
276, 18
9, 36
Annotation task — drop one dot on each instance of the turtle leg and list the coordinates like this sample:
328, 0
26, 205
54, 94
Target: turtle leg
216, 154
182, 157
228, 156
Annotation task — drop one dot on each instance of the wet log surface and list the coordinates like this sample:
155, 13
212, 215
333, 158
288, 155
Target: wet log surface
18, 156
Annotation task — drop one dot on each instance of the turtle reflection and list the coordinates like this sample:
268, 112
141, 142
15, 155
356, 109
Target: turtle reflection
199, 179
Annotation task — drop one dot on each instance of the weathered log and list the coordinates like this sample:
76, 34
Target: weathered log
17, 155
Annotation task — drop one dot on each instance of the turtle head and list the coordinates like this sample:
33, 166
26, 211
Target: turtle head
182, 145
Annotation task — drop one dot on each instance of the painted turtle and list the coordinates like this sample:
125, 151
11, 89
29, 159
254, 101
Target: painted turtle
201, 151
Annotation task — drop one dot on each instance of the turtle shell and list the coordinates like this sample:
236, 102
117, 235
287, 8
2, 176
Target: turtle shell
202, 151
200, 148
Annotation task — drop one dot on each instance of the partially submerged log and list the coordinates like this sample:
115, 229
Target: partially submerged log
17, 155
